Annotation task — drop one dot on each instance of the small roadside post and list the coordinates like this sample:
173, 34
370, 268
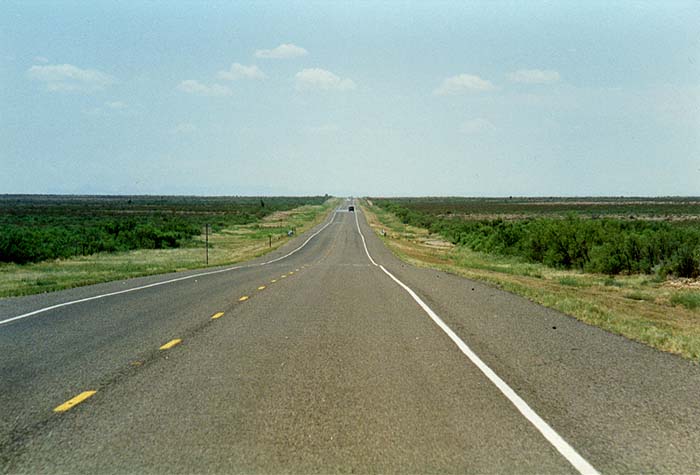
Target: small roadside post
206, 242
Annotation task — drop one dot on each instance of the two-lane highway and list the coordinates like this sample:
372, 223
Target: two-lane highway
324, 361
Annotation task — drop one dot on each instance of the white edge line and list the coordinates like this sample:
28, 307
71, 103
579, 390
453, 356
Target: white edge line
305, 242
156, 284
557, 441
364, 243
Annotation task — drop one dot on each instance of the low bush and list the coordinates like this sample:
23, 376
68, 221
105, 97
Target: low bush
609, 246
38, 228
689, 300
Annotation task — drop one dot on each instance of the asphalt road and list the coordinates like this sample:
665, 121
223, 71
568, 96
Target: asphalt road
331, 367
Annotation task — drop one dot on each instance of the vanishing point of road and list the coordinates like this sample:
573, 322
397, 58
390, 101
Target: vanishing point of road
330, 355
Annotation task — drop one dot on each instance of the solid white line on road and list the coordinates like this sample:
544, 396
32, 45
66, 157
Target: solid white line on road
156, 284
364, 243
305, 242
557, 441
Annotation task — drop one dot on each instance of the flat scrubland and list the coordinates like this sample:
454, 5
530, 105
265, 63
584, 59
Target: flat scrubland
104, 238
652, 305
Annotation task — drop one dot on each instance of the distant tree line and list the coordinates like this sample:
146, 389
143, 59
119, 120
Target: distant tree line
605, 245
22, 244
34, 229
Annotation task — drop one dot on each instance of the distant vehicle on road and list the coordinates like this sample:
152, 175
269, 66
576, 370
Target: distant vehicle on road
351, 208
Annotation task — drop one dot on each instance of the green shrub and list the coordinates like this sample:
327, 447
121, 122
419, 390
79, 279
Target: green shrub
638, 296
689, 300
570, 281
609, 246
36, 228
611, 282
686, 261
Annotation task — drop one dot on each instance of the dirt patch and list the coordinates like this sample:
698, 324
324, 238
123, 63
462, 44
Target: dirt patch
685, 284
437, 244
277, 216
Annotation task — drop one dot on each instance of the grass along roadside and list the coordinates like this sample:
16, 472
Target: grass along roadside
664, 314
229, 245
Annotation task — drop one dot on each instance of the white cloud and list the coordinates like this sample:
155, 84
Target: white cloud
476, 126
316, 78
534, 76
238, 71
192, 86
66, 77
283, 51
463, 83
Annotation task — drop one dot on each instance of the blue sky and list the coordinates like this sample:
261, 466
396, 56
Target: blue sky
365, 98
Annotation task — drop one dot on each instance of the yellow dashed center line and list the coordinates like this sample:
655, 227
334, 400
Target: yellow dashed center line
291, 272
243, 299
297, 270
170, 344
262, 287
273, 280
217, 315
74, 402
283, 276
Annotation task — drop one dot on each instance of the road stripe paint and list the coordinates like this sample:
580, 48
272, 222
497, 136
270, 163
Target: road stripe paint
283, 277
291, 272
305, 242
170, 344
262, 287
170, 281
217, 315
297, 270
273, 280
74, 402
364, 243
557, 441
243, 299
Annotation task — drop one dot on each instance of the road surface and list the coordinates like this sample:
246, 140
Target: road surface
334, 358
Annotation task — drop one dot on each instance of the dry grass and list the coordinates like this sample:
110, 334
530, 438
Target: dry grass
662, 314
228, 246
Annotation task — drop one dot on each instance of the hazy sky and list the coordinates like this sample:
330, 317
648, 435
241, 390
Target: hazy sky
403, 98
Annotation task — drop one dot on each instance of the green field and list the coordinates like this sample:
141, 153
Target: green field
49, 243
37, 228
629, 208
615, 236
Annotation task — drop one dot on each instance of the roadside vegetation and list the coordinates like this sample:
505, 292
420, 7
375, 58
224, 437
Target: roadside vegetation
598, 243
652, 304
52, 243
37, 228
